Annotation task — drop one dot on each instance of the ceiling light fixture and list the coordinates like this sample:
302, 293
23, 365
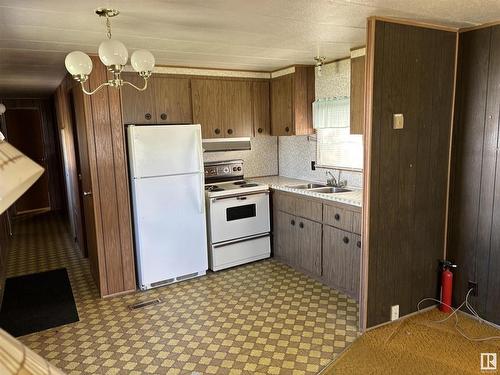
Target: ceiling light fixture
114, 55
320, 60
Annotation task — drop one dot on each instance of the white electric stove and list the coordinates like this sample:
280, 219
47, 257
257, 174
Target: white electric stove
238, 221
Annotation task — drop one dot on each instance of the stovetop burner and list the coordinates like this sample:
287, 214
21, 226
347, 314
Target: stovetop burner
248, 185
240, 182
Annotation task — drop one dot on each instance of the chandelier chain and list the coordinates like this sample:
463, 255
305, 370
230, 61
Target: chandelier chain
108, 27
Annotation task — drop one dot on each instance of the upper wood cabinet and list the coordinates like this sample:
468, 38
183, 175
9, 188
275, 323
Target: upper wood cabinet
292, 96
138, 107
173, 100
225, 107
281, 105
261, 108
222, 107
167, 100
239, 109
357, 94
207, 106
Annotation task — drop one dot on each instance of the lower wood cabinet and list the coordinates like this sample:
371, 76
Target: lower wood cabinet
285, 241
319, 238
296, 242
341, 260
309, 252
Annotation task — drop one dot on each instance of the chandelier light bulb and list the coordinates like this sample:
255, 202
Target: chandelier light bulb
78, 63
114, 55
142, 61
113, 52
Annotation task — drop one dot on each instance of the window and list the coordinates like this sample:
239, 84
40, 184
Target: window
337, 148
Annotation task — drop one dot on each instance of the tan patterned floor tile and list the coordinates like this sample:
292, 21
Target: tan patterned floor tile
263, 317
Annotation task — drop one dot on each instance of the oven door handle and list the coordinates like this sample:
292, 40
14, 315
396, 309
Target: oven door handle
240, 197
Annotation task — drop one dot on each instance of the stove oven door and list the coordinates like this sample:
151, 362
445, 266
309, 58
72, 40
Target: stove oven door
238, 217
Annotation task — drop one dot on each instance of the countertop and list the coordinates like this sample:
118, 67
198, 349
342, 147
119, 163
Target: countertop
354, 197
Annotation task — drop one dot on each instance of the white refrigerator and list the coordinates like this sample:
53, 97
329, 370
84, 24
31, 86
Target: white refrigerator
168, 202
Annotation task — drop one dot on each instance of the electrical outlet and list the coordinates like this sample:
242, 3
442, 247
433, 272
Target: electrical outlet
313, 165
394, 312
472, 285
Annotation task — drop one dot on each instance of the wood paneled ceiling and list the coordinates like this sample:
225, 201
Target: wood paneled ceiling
259, 35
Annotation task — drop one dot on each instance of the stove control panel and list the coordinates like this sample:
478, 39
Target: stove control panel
224, 169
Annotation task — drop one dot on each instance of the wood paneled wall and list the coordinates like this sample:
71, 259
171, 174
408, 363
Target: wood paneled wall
51, 145
97, 123
474, 219
413, 74
109, 173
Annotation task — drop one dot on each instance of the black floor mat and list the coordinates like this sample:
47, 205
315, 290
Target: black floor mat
39, 301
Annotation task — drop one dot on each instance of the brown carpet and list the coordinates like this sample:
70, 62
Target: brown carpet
416, 345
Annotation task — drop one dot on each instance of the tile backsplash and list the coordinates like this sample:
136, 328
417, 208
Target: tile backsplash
261, 160
295, 156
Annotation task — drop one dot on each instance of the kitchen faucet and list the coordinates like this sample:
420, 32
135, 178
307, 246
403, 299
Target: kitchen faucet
332, 181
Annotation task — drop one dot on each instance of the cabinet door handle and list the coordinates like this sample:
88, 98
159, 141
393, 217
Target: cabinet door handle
287, 129
358, 244
147, 116
260, 130
337, 217
301, 225
217, 131
346, 240
229, 131
87, 193
163, 116
292, 222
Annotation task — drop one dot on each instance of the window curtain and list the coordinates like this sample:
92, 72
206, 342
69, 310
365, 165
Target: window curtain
331, 113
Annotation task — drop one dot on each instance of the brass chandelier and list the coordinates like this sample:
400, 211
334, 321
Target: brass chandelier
114, 55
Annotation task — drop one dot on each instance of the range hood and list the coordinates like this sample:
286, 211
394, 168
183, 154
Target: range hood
226, 144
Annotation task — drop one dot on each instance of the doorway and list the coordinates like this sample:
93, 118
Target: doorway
25, 132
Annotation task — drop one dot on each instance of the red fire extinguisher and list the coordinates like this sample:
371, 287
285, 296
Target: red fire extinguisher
446, 285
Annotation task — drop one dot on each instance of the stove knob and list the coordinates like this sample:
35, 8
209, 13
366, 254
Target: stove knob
235, 169
239, 168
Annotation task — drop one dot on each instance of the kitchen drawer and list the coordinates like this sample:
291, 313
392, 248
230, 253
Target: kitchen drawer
309, 209
356, 222
284, 202
338, 217
296, 205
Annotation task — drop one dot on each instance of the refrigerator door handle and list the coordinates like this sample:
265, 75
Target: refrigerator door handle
202, 174
202, 193
200, 153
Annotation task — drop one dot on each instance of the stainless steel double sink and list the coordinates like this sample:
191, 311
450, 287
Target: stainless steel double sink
320, 188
